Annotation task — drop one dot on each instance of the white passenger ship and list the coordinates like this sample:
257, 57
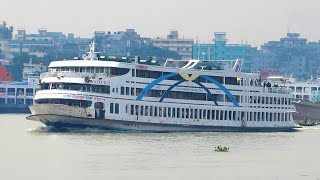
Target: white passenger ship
144, 96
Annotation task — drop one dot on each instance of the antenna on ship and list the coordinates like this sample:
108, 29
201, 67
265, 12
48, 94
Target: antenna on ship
92, 54
198, 49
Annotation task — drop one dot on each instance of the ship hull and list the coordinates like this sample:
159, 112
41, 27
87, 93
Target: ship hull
7, 108
307, 110
62, 121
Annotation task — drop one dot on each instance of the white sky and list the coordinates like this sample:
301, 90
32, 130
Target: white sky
252, 21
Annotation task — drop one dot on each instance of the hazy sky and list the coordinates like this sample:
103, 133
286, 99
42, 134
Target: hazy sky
254, 21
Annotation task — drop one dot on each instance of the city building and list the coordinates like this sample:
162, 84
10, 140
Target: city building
118, 43
291, 56
39, 44
173, 43
220, 50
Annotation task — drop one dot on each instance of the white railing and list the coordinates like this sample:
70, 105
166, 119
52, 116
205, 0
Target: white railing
280, 90
67, 74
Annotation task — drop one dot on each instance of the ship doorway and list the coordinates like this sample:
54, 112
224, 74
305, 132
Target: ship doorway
99, 110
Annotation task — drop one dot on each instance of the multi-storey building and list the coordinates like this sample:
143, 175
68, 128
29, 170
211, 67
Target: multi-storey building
220, 50
118, 43
292, 55
173, 43
39, 44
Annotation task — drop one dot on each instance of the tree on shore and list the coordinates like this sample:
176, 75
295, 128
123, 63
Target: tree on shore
5, 32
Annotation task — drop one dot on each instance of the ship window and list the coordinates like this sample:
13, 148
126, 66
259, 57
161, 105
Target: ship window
29, 92
100, 70
11, 101
138, 90
208, 114
2, 91
137, 110
275, 116
212, 114
169, 112
285, 116
151, 111
141, 110
178, 112
231, 80
132, 91
20, 101
133, 72
196, 113
122, 91
146, 113
160, 112
173, 112
164, 112
187, 113
204, 114
299, 89
111, 107
117, 108
221, 115
2, 100
119, 71
156, 111
127, 90
11, 91
132, 110
182, 112
191, 113
20, 91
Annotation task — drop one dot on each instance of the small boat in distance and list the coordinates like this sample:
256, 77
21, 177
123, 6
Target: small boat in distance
16, 97
178, 96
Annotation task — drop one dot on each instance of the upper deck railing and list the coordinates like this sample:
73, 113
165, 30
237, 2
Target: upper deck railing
71, 74
281, 90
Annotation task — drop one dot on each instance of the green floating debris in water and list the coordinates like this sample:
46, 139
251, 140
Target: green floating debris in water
221, 149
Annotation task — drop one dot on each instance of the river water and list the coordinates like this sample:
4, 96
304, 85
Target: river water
31, 151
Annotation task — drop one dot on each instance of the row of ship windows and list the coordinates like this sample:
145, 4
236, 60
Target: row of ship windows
204, 96
109, 71
157, 74
103, 89
16, 101
191, 113
269, 100
18, 91
300, 89
113, 71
